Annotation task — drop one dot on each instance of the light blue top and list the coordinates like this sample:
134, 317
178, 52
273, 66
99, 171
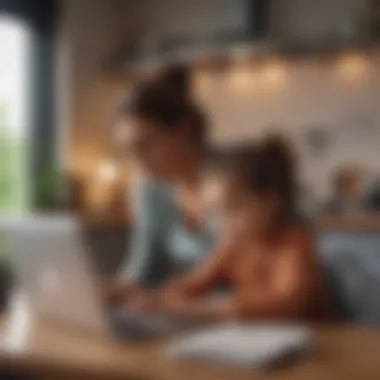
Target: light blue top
161, 243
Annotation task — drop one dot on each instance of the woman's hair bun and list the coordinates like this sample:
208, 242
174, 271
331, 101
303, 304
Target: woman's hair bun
176, 78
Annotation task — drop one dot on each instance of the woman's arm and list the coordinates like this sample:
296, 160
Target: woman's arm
142, 246
143, 239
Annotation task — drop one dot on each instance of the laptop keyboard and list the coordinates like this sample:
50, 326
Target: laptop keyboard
128, 325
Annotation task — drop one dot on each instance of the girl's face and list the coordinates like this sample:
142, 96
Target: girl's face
243, 212
158, 151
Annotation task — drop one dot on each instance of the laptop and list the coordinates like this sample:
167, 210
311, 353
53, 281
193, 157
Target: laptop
53, 268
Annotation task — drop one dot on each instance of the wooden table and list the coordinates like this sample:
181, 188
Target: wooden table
52, 351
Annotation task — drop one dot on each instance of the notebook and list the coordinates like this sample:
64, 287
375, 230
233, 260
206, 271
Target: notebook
254, 346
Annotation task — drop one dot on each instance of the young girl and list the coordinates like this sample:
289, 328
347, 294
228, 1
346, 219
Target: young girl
266, 255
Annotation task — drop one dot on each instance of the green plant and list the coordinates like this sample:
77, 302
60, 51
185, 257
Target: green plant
4, 256
6, 275
12, 157
48, 188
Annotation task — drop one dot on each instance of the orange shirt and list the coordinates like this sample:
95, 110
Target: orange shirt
283, 281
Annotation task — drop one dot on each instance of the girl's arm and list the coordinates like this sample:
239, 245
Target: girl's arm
294, 280
175, 297
202, 280
285, 297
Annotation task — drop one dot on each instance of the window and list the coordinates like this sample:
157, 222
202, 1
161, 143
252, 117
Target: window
14, 129
27, 135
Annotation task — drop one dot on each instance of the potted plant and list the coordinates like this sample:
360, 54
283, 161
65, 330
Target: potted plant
5, 275
48, 189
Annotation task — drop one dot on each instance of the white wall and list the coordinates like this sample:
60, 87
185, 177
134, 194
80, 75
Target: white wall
295, 97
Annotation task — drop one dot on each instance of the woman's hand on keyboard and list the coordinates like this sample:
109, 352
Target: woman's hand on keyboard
143, 301
119, 290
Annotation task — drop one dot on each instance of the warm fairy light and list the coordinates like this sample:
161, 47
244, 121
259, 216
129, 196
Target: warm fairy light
203, 81
274, 73
100, 191
353, 66
241, 78
107, 172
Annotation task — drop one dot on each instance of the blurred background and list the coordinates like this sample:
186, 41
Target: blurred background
308, 69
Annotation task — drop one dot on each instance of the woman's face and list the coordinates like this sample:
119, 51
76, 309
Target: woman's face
157, 151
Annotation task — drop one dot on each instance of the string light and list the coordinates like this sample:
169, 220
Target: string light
241, 78
353, 66
203, 81
107, 172
274, 74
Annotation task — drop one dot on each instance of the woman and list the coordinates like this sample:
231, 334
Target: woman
165, 131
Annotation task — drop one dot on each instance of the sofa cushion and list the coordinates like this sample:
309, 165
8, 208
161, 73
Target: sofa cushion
352, 266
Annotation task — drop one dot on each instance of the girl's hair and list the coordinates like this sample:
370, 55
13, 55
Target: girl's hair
264, 167
276, 170
167, 101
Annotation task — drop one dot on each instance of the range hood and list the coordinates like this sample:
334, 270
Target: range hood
251, 36
257, 33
